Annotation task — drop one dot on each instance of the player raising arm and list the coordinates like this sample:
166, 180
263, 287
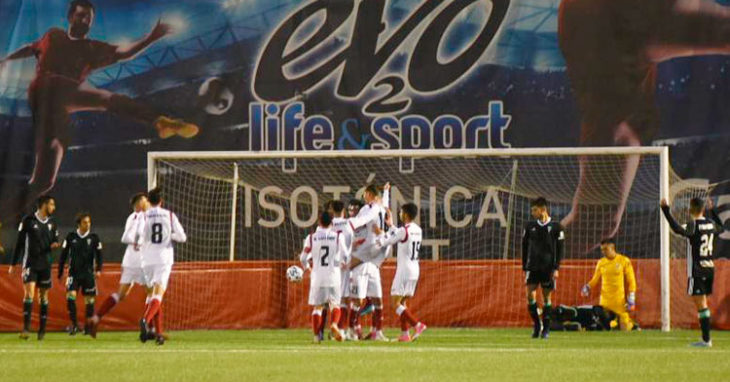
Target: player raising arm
367, 257
82, 249
408, 237
542, 249
614, 270
700, 233
157, 232
326, 248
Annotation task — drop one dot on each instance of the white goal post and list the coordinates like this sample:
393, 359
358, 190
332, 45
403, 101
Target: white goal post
227, 167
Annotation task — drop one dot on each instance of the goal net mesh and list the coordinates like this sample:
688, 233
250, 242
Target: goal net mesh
473, 209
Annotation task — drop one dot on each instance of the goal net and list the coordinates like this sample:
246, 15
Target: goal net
246, 215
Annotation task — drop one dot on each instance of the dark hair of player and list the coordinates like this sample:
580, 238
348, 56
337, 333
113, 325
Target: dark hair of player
356, 203
337, 206
609, 240
325, 219
43, 200
81, 216
373, 189
136, 197
540, 202
328, 205
155, 196
410, 209
696, 205
78, 3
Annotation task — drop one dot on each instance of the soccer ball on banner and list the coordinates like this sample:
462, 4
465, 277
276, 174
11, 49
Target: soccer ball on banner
214, 96
294, 274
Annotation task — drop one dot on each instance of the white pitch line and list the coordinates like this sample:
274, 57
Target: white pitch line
316, 349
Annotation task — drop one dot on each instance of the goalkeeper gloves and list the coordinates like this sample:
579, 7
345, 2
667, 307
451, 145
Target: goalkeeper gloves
585, 291
631, 301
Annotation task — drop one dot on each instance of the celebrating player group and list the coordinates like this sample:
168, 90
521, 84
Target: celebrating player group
345, 256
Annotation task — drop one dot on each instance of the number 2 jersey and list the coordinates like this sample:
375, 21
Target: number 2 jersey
327, 249
408, 238
700, 236
157, 231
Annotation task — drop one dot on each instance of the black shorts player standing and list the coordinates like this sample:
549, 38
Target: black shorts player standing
542, 250
82, 249
37, 236
700, 233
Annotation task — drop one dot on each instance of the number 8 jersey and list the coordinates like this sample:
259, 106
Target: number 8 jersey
157, 231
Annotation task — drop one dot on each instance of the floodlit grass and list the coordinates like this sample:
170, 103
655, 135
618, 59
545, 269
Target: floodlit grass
440, 355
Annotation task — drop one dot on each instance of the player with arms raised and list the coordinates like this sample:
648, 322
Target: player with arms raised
131, 263
542, 249
157, 232
700, 233
367, 257
82, 249
326, 248
408, 237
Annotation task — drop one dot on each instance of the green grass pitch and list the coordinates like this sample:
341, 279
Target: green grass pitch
440, 355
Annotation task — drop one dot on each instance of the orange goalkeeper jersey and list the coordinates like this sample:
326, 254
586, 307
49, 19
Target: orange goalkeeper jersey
614, 274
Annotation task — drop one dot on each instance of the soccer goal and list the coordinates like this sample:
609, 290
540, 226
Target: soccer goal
246, 214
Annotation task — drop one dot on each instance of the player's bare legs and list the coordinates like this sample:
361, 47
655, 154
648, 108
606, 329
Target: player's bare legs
624, 136
87, 98
689, 28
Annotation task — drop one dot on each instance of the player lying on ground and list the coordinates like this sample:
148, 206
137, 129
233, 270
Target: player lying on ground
82, 249
613, 270
326, 248
584, 317
408, 238
37, 237
131, 263
367, 257
542, 249
155, 234
700, 233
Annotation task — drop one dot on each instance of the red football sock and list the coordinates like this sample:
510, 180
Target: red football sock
403, 323
152, 309
378, 319
409, 317
344, 317
316, 322
158, 321
106, 306
336, 315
